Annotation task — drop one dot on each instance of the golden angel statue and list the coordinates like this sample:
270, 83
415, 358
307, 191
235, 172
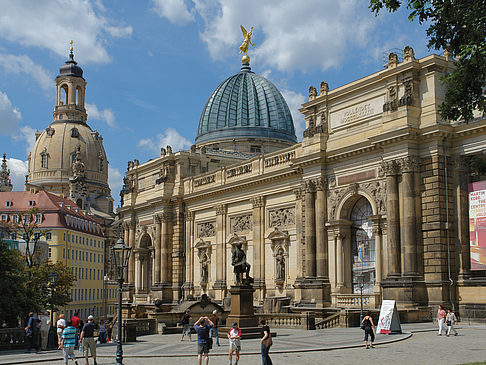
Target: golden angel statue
247, 41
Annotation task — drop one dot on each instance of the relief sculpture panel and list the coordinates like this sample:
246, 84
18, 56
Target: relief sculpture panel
207, 229
282, 217
242, 223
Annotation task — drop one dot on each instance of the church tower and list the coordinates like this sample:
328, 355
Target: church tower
68, 157
5, 182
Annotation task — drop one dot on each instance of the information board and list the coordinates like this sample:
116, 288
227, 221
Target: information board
477, 224
389, 322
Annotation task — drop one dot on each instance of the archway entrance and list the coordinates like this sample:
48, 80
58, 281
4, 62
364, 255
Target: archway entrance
362, 247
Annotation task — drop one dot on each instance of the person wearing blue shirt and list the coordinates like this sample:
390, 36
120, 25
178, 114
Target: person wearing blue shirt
32, 331
68, 342
202, 327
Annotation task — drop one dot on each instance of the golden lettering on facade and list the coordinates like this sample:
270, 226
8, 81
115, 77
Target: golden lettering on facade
205, 180
279, 159
237, 171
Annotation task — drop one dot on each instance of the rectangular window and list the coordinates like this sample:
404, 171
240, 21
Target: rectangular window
15, 218
69, 237
90, 257
68, 251
75, 272
26, 218
38, 218
4, 217
37, 236
8, 203
76, 239
50, 252
89, 274
102, 242
13, 236
48, 236
63, 253
64, 237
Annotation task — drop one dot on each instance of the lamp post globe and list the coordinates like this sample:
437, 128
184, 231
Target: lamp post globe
120, 256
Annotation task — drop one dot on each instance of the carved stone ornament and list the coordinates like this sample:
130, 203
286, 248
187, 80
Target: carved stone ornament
391, 104
141, 230
408, 54
391, 167
50, 131
309, 186
280, 249
335, 197
299, 193
206, 229
312, 93
406, 99
377, 189
284, 217
190, 215
324, 87
258, 201
241, 223
221, 209
204, 250
331, 181
392, 60
409, 163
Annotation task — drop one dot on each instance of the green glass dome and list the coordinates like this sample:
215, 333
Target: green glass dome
246, 105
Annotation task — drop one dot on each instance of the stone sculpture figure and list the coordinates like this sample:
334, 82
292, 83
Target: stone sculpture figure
240, 266
204, 269
280, 260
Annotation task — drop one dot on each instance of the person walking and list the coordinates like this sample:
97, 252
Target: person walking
369, 328
68, 342
31, 332
213, 333
234, 336
202, 327
87, 340
60, 325
102, 334
76, 323
45, 323
266, 343
441, 315
451, 320
186, 327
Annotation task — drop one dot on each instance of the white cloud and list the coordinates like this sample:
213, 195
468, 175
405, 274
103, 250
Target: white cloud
295, 101
115, 180
169, 138
24, 64
18, 170
105, 115
52, 24
288, 34
26, 135
176, 11
9, 115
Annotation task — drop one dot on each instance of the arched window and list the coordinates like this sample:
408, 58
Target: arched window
79, 96
63, 98
362, 247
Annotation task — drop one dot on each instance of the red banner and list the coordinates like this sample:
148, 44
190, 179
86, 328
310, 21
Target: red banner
477, 224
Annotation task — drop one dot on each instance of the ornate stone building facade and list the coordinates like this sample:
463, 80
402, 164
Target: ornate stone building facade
373, 199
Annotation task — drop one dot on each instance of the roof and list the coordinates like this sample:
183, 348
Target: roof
45, 202
246, 105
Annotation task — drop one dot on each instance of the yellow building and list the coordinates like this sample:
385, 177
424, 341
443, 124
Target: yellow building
73, 237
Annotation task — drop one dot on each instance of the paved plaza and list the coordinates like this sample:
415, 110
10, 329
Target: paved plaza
419, 344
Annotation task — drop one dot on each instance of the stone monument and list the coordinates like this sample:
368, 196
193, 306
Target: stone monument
241, 308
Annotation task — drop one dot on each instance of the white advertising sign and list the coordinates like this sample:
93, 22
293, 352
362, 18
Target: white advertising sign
389, 321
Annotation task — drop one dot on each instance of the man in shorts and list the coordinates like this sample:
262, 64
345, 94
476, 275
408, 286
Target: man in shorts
67, 343
234, 336
202, 327
185, 321
87, 339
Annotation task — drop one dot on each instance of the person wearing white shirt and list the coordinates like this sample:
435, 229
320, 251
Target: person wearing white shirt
45, 323
61, 324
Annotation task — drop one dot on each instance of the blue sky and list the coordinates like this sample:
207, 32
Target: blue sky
151, 65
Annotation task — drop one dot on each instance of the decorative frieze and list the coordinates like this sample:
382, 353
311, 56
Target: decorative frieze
279, 159
377, 189
257, 201
281, 217
240, 170
241, 223
206, 229
205, 180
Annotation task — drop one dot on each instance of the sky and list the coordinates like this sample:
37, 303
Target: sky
151, 65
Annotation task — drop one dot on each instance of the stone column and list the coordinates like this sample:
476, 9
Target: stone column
409, 244
262, 245
310, 230
257, 203
131, 264
377, 232
164, 250
339, 260
321, 231
462, 172
189, 254
299, 234
158, 229
138, 272
392, 169
220, 283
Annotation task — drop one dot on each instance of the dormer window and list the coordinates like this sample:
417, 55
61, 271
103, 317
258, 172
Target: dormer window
74, 132
8, 203
44, 158
38, 218
15, 218
31, 203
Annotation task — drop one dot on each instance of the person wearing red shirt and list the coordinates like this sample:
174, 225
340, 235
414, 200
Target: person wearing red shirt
76, 322
234, 336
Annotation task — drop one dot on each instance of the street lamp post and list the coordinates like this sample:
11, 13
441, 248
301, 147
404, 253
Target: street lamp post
52, 336
120, 255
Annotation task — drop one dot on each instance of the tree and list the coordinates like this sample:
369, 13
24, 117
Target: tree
15, 301
26, 227
458, 26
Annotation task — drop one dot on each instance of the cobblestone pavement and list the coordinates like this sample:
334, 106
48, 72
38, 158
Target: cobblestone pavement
331, 346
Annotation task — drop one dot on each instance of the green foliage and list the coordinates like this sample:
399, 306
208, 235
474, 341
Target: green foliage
15, 301
477, 165
460, 27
